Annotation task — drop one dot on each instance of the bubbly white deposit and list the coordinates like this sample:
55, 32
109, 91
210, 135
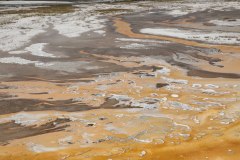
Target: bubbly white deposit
164, 71
213, 37
182, 8
231, 22
139, 43
177, 81
134, 46
101, 32
87, 19
21, 29
16, 60
30, 118
19, 32
37, 50
26, 119
22, 61
37, 148
146, 103
73, 25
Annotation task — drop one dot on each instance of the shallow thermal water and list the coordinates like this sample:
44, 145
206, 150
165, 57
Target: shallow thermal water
130, 80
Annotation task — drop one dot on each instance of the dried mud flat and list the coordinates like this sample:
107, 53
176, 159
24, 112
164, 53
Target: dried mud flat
133, 80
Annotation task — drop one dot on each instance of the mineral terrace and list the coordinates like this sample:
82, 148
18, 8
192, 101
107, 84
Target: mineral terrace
120, 81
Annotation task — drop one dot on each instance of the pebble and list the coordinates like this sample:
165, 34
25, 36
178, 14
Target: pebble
211, 86
196, 120
143, 153
90, 124
195, 85
221, 113
119, 115
102, 118
235, 86
209, 91
210, 128
154, 94
174, 95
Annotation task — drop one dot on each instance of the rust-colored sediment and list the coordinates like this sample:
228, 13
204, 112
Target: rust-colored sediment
220, 143
210, 147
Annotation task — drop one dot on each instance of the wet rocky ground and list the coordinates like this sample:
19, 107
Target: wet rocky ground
125, 80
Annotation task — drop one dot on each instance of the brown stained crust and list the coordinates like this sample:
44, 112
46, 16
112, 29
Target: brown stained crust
195, 72
11, 130
17, 105
209, 74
